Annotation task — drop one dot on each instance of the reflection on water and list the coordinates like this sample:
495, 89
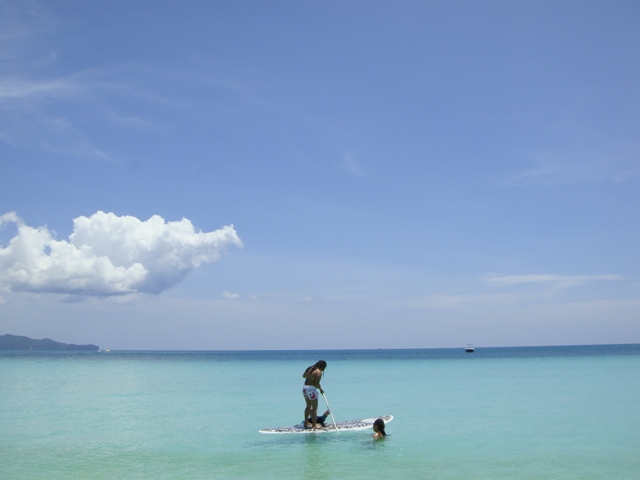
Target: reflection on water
312, 458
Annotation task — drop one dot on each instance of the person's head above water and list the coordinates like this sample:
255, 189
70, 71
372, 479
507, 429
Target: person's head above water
378, 427
321, 364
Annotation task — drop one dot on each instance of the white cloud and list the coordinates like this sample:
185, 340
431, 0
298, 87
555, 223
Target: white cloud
550, 168
352, 166
14, 88
444, 301
108, 255
230, 295
550, 285
558, 282
21, 25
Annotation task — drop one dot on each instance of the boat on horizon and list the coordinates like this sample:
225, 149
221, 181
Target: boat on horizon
469, 348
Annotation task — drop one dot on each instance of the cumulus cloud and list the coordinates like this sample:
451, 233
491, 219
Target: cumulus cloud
108, 255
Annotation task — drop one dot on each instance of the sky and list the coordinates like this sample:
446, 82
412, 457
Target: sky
320, 175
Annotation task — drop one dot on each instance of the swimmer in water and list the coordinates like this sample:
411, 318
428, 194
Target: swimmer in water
378, 428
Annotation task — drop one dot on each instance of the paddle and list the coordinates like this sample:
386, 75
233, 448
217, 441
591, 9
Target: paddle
331, 413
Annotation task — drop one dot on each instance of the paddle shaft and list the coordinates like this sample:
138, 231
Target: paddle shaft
330, 413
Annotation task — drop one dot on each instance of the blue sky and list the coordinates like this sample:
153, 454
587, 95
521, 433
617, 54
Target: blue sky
290, 174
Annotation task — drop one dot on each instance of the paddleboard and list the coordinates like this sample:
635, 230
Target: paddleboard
348, 426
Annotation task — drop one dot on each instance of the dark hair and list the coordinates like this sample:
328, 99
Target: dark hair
380, 424
321, 365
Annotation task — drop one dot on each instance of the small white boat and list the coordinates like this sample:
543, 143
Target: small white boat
469, 348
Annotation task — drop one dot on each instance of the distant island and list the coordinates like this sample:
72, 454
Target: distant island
16, 342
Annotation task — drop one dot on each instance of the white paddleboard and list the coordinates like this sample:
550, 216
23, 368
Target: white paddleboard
348, 426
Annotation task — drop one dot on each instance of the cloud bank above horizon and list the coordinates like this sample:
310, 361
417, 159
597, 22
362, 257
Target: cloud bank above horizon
557, 282
107, 255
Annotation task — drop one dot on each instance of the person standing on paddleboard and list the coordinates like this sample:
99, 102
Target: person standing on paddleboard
312, 376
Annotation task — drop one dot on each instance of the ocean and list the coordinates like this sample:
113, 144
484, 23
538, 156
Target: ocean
499, 413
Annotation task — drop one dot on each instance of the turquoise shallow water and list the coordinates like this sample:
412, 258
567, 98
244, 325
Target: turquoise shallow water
555, 412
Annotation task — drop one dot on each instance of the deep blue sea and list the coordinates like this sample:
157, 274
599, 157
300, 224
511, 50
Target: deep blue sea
498, 413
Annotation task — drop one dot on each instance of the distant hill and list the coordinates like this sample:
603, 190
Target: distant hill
16, 342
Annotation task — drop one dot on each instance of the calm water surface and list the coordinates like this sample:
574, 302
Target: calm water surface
547, 412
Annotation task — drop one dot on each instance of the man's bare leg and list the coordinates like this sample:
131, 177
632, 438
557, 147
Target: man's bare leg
314, 414
307, 414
